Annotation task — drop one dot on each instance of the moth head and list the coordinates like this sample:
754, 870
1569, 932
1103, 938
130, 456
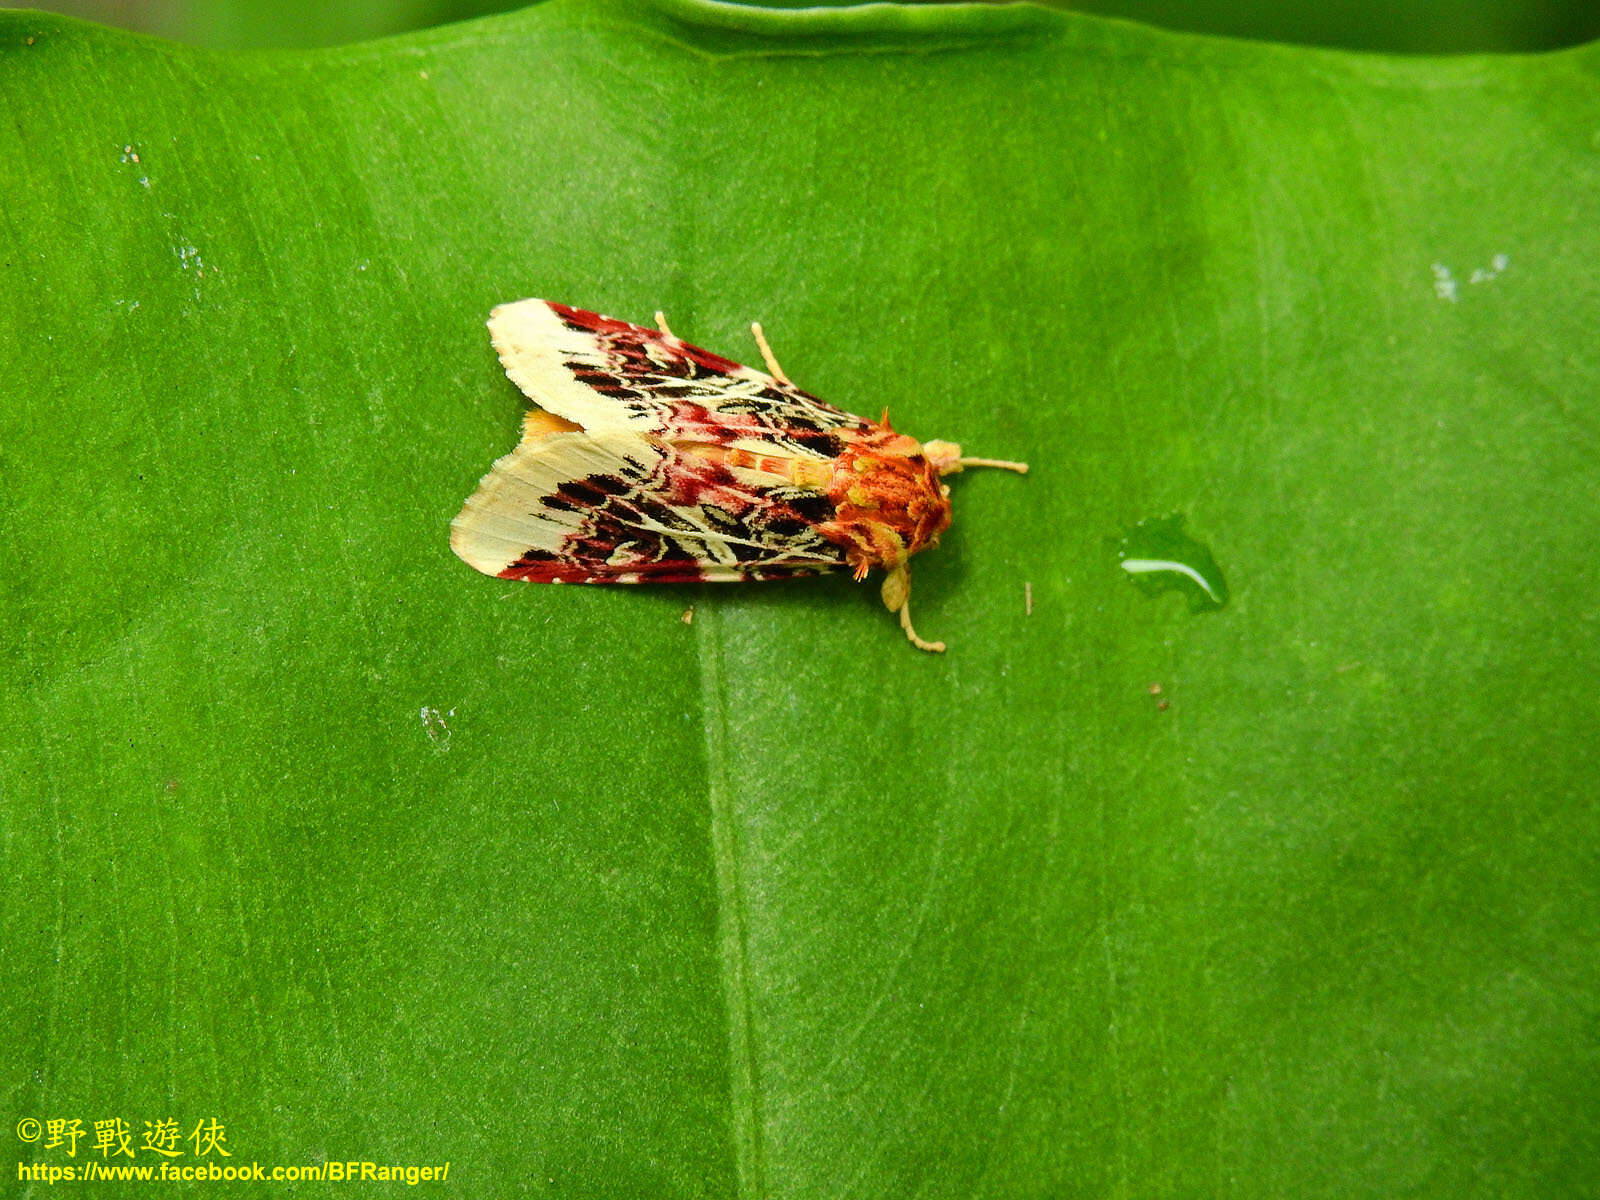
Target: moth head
944, 457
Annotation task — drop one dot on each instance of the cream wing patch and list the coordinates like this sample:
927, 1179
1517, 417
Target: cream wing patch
507, 515
535, 347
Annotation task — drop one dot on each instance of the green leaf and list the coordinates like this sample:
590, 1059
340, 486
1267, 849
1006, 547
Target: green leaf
1425, 26
312, 831
1419, 26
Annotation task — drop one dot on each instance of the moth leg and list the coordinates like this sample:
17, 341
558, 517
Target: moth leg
905, 623
897, 599
661, 324
773, 368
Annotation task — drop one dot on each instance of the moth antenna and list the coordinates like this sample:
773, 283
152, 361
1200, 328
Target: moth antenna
1020, 468
773, 368
661, 324
905, 623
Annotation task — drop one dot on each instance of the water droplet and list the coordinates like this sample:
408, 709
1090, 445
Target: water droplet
1160, 556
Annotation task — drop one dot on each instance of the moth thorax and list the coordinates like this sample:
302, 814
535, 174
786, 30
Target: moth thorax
888, 502
945, 457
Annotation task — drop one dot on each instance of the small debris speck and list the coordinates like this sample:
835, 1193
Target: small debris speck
1027, 599
688, 615
435, 725
1496, 265
1444, 284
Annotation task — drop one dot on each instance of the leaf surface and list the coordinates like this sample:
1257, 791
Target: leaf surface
310, 830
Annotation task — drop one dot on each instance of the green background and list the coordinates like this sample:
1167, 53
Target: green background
309, 829
1430, 26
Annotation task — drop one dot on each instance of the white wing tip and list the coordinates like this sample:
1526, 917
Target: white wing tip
478, 553
513, 308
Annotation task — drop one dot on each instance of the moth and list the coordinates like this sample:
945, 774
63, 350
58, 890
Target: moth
650, 460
